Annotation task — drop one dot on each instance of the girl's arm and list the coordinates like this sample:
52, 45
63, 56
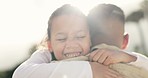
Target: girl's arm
142, 61
39, 65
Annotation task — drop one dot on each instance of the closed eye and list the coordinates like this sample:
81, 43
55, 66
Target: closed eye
61, 39
81, 36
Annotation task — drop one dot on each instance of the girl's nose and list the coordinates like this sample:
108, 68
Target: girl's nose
71, 45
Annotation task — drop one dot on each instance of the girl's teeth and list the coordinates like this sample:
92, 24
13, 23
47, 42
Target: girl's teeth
72, 54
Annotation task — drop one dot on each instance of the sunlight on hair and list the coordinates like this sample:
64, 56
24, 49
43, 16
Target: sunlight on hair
82, 4
65, 76
86, 5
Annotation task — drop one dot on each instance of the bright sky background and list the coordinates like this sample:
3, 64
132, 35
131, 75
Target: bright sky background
24, 22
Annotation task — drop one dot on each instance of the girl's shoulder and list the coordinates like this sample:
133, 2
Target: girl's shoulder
43, 55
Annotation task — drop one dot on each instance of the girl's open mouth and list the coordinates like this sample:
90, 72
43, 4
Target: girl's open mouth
72, 54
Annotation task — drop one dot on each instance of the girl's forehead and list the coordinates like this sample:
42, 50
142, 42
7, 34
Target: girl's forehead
70, 18
69, 23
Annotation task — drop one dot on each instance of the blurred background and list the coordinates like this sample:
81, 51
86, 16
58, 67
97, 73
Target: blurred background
23, 24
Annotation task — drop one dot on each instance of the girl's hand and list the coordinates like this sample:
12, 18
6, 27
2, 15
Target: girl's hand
110, 56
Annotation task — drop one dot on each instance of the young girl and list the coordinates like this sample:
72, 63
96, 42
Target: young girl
68, 35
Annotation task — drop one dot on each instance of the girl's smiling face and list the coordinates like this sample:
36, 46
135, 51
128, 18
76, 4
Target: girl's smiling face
69, 36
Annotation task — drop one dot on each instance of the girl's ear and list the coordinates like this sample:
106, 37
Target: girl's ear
49, 46
125, 41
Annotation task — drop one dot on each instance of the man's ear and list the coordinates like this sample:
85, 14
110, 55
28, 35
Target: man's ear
125, 41
49, 46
